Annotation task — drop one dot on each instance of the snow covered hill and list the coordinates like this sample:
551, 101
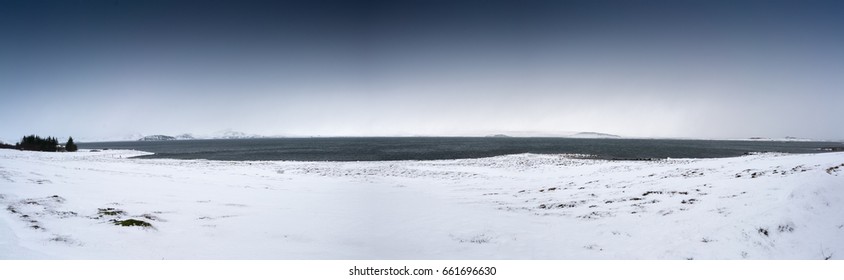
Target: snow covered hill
225, 134
231, 134
107, 205
157, 138
186, 136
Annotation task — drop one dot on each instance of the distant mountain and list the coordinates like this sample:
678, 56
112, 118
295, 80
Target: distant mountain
791, 138
231, 134
109, 138
225, 134
498, 136
186, 136
157, 138
593, 135
786, 139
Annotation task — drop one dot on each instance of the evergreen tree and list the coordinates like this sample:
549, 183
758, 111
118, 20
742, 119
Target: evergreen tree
70, 146
35, 143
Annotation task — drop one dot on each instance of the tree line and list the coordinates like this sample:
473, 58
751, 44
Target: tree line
49, 144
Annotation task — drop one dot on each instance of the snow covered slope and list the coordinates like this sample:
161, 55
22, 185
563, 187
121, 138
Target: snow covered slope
157, 137
768, 206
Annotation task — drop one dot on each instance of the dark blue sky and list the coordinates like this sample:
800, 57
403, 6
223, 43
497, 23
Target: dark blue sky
710, 69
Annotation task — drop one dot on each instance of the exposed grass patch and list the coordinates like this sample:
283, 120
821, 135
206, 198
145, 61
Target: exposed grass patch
593, 247
833, 169
567, 205
690, 201
151, 217
594, 215
63, 239
63, 214
132, 223
110, 212
477, 239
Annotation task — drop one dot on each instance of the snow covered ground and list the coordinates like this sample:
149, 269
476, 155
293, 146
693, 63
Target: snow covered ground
767, 206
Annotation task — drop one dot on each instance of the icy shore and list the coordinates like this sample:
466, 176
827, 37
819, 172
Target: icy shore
766, 206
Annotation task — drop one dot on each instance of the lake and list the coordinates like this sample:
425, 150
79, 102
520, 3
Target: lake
432, 148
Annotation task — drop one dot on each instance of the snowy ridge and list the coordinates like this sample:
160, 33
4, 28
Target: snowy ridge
528, 206
157, 138
231, 134
225, 134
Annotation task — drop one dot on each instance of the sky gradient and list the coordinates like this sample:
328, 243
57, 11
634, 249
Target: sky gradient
696, 69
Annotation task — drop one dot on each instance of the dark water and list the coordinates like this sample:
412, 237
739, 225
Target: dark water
429, 148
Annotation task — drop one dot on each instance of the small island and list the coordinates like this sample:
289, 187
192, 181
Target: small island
157, 138
499, 136
593, 135
160, 137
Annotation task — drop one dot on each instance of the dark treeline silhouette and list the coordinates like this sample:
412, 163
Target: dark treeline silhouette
6, 146
70, 146
36, 143
49, 144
